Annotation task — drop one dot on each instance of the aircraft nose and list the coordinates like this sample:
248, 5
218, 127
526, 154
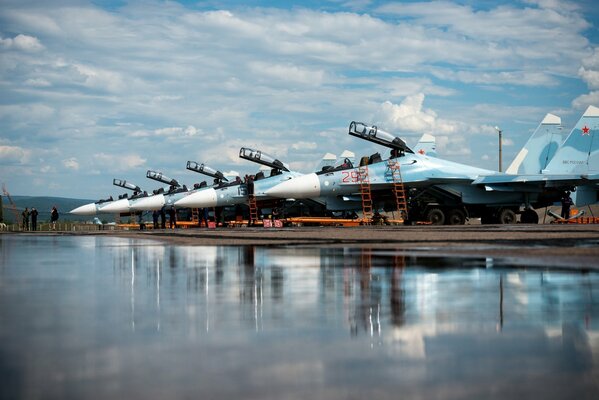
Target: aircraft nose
200, 199
119, 206
301, 187
86, 209
148, 203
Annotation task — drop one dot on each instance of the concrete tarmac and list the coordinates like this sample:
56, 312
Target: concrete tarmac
563, 245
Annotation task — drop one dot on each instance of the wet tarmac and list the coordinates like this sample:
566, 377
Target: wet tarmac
568, 245
99, 316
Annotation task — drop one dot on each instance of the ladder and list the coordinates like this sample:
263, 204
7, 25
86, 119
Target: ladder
398, 189
195, 215
366, 193
253, 208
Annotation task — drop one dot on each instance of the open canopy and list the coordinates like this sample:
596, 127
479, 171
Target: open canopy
261, 158
126, 185
206, 170
158, 176
375, 135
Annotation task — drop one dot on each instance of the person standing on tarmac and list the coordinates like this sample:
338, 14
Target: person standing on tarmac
34, 214
54, 217
163, 217
172, 218
566, 203
155, 215
25, 215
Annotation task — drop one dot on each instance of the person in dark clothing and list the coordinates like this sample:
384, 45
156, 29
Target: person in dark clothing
25, 215
204, 216
566, 203
163, 218
155, 215
34, 214
172, 218
54, 217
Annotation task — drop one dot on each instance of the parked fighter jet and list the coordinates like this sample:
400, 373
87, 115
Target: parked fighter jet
103, 206
441, 190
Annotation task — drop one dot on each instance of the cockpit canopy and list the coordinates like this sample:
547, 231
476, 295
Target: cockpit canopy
373, 134
158, 176
126, 185
206, 170
261, 158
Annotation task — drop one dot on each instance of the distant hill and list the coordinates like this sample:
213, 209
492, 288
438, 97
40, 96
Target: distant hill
44, 205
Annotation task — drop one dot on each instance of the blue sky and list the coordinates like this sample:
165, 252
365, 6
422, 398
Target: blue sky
96, 90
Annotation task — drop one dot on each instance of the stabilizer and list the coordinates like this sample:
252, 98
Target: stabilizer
579, 154
540, 148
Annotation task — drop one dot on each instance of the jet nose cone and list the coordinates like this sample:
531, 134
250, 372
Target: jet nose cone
86, 209
149, 203
300, 187
119, 206
200, 199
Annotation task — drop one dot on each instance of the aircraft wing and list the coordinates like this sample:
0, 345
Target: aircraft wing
506, 182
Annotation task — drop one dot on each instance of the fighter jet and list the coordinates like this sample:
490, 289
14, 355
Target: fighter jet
441, 190
104, 206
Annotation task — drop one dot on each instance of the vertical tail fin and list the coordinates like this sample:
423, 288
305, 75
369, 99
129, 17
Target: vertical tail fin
427, 145
540, 147
579, 154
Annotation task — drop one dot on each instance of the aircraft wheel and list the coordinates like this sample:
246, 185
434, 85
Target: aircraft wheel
529, 217
507, 216
456, 217
435, 216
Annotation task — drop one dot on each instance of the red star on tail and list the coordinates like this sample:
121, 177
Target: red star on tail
585, 130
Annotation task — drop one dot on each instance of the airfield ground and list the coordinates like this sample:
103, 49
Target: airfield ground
552, 245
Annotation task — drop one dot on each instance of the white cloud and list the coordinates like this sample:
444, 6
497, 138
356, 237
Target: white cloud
304, 146
13, 155
117, 162
582, 102
22, 42
71, 163
38, 82
589, 72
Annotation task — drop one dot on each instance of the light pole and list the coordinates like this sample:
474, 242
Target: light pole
499, 132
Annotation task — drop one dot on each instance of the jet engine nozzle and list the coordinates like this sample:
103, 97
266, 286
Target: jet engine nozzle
260, 157
158, 176
206, 170
378, 136
126, 185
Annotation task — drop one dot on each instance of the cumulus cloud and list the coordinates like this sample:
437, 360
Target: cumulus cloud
71, 163
589, 72
410, 117
22, 42
13, 155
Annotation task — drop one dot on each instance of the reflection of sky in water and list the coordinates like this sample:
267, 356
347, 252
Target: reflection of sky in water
98, 317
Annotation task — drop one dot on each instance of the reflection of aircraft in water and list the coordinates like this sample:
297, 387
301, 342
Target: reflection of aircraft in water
103, 206
442, 190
